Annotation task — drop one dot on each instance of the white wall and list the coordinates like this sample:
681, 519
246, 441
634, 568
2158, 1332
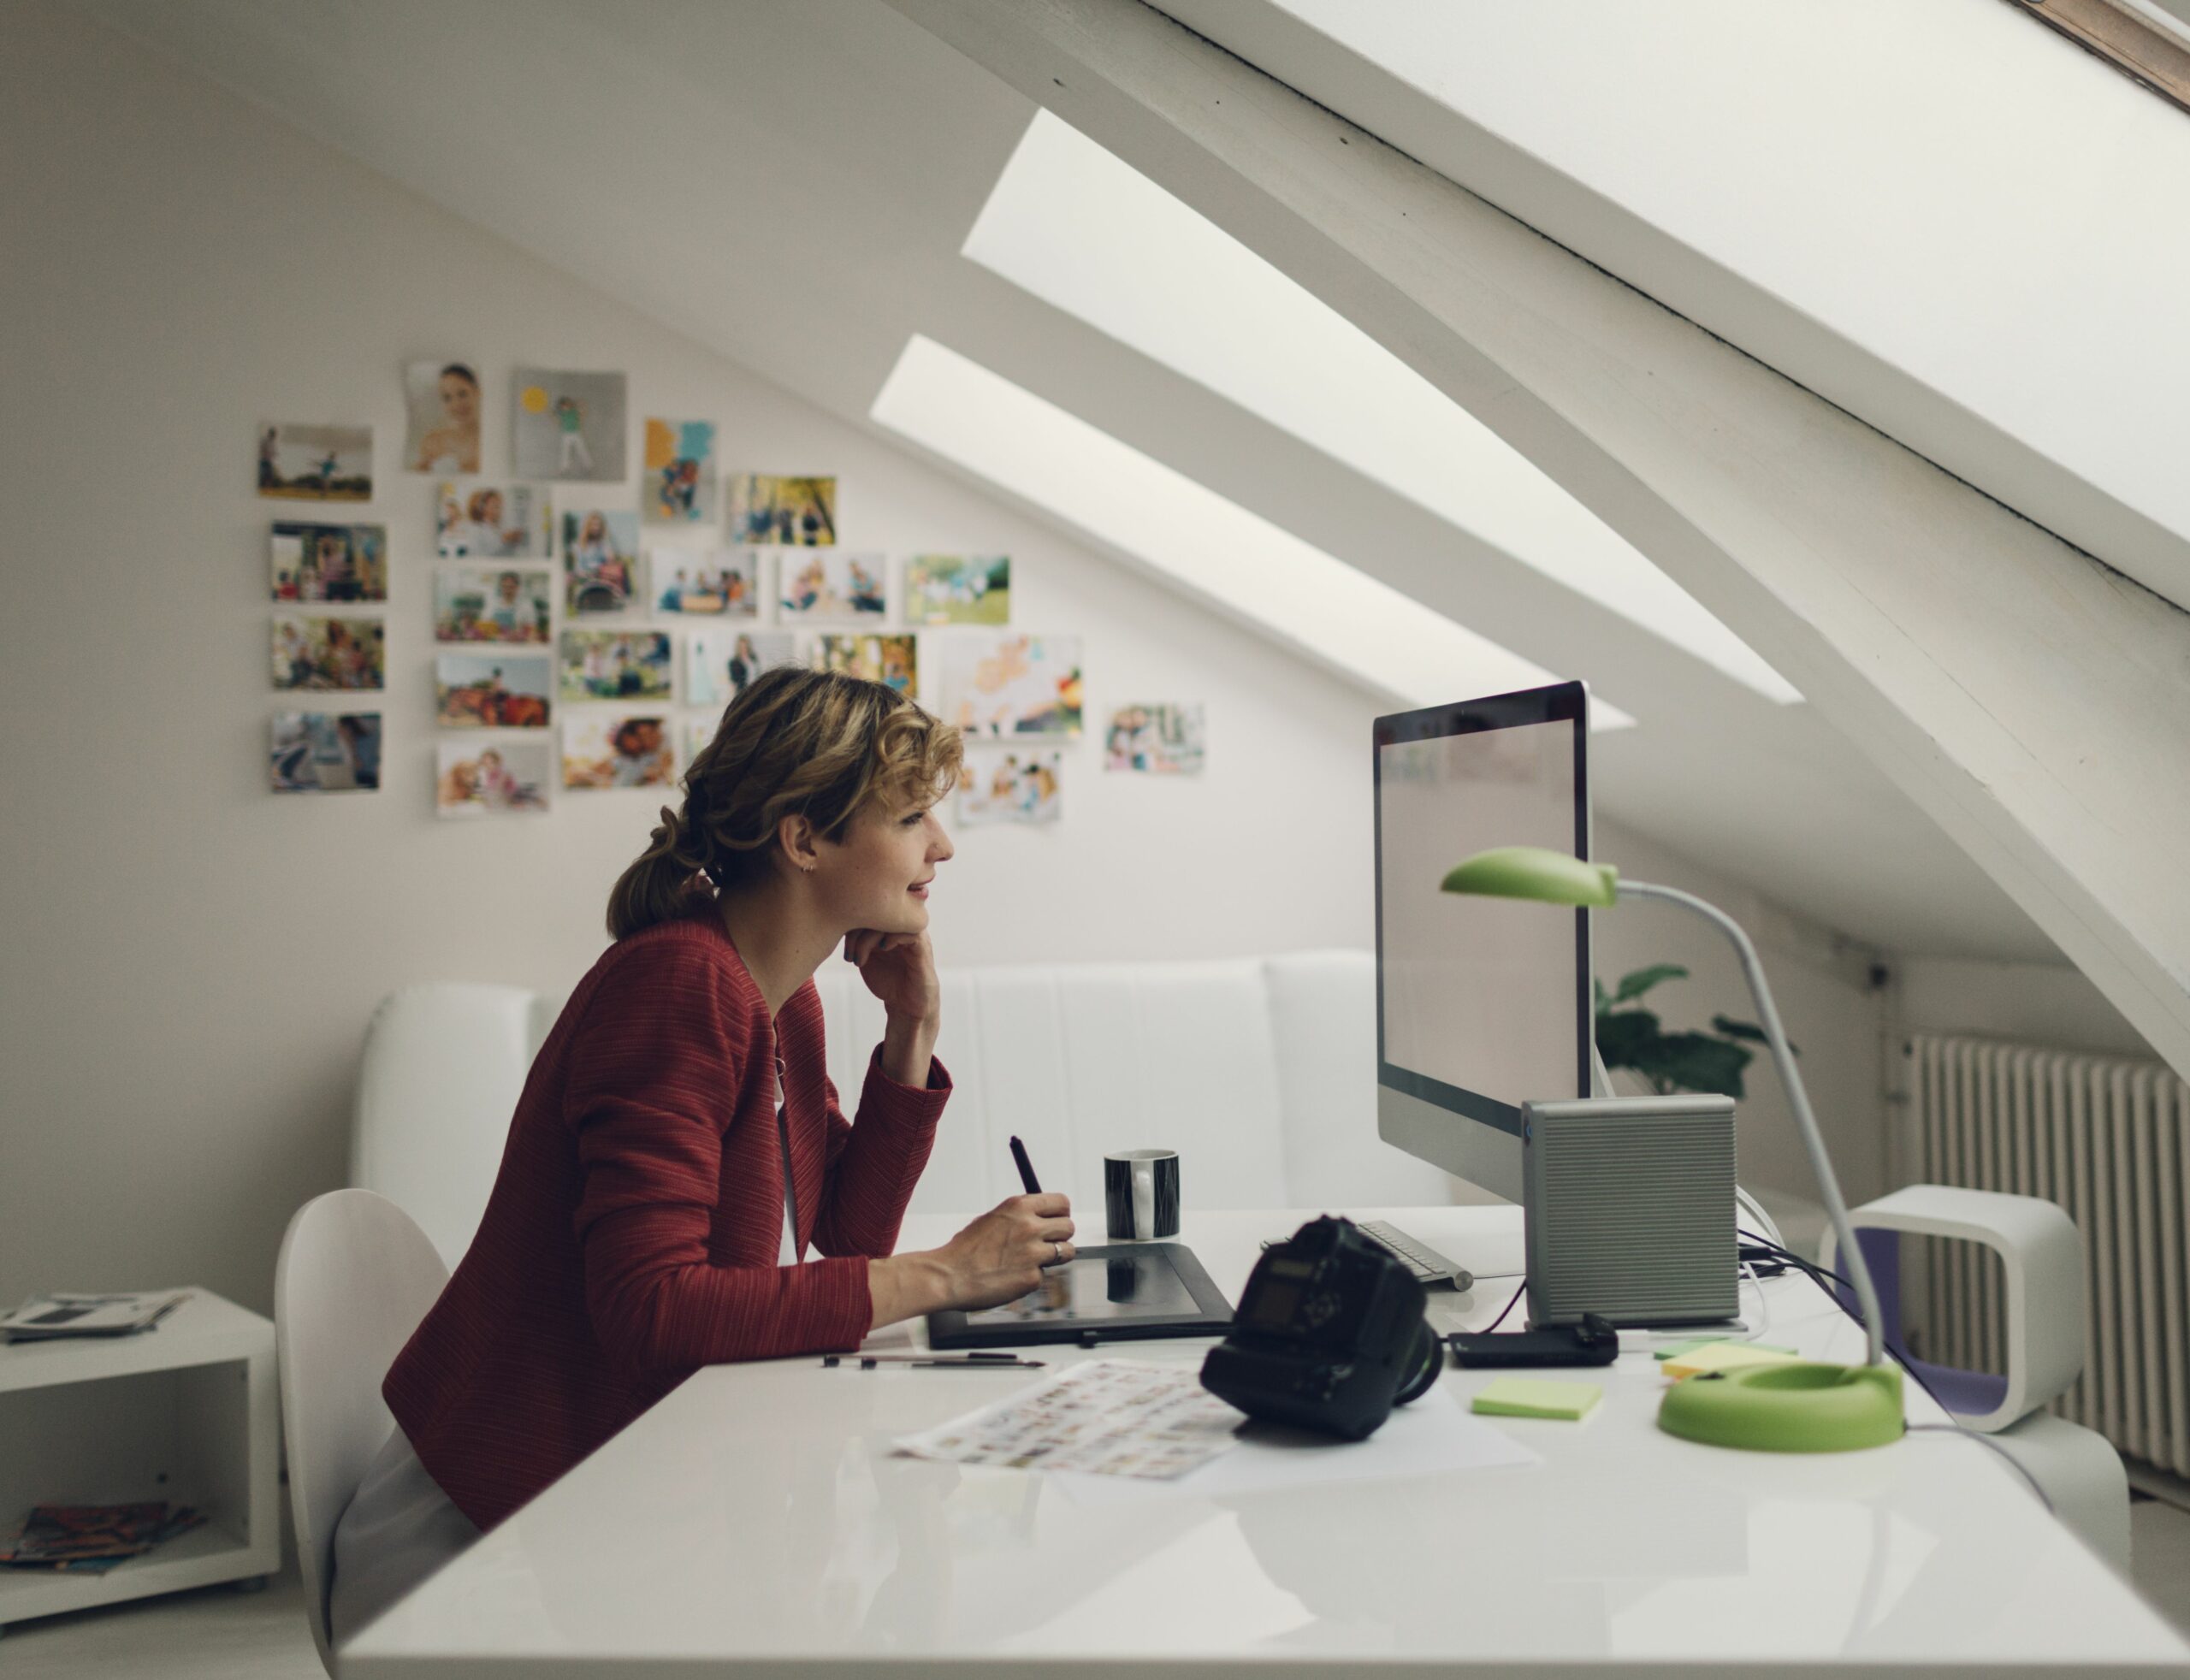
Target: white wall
190, 958
2042, 1003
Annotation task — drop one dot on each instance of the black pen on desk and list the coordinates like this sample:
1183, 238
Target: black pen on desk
1025, 1167
977, 1362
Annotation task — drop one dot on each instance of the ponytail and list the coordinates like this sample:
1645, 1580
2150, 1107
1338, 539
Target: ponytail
663, 883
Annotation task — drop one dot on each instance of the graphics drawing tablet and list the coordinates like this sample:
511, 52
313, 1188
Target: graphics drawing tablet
1127, 1292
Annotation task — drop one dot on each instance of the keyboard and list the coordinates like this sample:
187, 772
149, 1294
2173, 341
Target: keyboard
1426, 1263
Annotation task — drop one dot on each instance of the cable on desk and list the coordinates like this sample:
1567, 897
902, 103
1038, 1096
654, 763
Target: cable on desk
1818, 1275
1508, 1307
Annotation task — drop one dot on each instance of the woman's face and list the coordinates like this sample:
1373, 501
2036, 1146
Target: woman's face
596, 528
877, 875
489, 506
459, 400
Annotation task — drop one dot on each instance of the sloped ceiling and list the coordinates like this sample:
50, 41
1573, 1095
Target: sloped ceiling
791, 184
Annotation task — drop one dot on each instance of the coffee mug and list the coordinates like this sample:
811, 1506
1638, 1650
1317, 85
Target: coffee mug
1140, 1194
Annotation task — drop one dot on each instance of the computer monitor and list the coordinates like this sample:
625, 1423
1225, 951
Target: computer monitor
1483, 1004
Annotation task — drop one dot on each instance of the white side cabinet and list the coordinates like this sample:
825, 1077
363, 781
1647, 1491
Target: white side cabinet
187, 1412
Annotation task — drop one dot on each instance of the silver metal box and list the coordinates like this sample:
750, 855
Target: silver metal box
1631, 1209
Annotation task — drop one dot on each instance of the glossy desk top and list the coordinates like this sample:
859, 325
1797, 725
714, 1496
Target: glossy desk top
755, 1519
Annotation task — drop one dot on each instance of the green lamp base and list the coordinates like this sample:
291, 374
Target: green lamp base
1797, 1407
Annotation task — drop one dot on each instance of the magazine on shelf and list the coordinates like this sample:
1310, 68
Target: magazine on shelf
46, 1318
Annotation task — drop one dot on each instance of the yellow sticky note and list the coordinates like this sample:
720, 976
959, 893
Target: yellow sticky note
1537, 1397
1722, 1355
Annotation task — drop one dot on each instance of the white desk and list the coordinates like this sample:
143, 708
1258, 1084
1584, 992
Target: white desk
756, 1522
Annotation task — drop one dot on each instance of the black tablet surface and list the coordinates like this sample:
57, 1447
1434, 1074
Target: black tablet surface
1129, 1292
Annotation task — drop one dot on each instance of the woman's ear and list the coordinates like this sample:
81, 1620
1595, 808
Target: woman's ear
795, 835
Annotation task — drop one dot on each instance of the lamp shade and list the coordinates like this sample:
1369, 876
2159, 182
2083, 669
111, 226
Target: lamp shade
1534, 872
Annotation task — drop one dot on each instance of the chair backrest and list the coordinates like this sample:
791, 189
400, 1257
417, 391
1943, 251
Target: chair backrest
355, 1277
443, 1068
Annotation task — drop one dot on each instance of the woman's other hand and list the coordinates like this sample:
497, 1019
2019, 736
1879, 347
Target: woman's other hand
998, 1258
899, 969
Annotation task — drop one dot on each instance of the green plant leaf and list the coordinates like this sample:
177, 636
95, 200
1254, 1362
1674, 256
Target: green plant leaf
1604, 997
1742, 1029
1694, 1061
1635, 984
1625, 1035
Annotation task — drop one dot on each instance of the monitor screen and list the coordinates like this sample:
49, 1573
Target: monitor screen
1482, 1004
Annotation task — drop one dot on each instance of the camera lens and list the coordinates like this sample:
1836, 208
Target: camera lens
1425, 1359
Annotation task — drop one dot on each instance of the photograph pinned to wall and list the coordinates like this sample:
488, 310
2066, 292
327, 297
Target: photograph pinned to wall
330, 562
720, 663
488, 522
329, 653
1155, 740
699, 731
958, 589
1021, 787
834, 586
725, 581
315, 463
894, 659
491, 775
680, 481
493, 690
1006, 682
614, 752
440, 402
567, 426
325, 751
788, 513
489, 603
618, 665
601, 560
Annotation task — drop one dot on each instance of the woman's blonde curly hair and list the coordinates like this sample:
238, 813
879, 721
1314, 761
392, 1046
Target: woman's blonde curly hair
812, 743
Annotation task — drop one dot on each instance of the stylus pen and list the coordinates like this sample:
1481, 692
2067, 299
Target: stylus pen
979, 1362
1025, 1167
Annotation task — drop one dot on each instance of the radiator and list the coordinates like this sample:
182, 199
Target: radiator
2107, 1138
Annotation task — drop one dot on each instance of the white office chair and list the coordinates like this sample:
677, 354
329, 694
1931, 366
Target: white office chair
355, 1277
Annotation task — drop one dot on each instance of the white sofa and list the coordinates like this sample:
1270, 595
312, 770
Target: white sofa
1260, 1071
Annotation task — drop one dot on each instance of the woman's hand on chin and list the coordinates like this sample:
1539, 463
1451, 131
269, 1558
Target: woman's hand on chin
899, 969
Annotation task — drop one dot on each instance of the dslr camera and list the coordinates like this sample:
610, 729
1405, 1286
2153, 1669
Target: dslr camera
1330, 1336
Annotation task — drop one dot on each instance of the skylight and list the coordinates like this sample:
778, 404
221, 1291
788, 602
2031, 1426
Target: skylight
1089, 236
1211, 548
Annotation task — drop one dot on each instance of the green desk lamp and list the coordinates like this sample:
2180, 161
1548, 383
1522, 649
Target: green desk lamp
1797, 1407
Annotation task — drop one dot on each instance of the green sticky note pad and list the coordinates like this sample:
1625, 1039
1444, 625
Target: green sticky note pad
1536, 1397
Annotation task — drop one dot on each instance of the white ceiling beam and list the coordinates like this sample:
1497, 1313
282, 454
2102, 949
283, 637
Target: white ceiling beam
2036, 704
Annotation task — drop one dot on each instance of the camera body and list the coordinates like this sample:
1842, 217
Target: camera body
1329, 1334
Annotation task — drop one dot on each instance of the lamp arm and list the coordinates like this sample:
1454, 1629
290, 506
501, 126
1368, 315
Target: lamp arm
1859, 1270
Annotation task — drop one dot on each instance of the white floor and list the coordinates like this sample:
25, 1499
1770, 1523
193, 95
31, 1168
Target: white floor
220, 1634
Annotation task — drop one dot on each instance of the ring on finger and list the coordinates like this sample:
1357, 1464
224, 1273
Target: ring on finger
1059, 1249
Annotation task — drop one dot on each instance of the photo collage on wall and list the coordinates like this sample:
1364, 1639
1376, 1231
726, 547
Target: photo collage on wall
587, 630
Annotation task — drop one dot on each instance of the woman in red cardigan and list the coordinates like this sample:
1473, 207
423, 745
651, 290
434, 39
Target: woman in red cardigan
678, 1148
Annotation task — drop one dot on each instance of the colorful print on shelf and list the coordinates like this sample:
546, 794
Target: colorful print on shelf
1021, 787
493, 690
492, 775
329, 653
680, 483
1155, 740
618, 753
315, 463
1004, 682
337, 563
441, 401
725, 581
952, 589
567, 426
325, 751
601, 560
893, 659
487, 603
488, 522
783, 512
720, 664
832, 586
618, 665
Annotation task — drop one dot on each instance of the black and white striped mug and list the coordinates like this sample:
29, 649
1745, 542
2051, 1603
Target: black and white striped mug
1140, 1194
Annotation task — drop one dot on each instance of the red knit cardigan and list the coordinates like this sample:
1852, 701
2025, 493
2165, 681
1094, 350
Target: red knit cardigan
634, 1226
